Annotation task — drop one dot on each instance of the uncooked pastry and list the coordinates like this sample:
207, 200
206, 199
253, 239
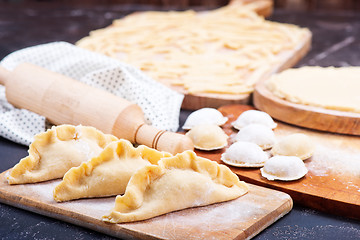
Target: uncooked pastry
176, 183
253, 116
244, 154
259, 134
297, 144
286, 168
226, 50
108, 173
204, 116
57, 150
330, 88
208, 137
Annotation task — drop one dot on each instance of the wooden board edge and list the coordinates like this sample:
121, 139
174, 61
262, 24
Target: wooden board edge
261, 7
284, 209
32, 206
68, 216
325, 205
299, 53
197, 101
305, 116
118, 231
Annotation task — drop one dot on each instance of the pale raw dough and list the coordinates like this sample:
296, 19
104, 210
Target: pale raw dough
57, 150
108, 173
297, 144
286, 168
176, 183
244, 154
225, 51
259, 134
330, 88
253, 116
204, 116
208, 137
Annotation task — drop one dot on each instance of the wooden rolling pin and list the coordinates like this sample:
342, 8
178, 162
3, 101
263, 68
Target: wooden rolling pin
63, 100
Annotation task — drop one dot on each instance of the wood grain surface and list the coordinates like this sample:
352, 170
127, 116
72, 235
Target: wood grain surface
304, 115
332, 184
241, 218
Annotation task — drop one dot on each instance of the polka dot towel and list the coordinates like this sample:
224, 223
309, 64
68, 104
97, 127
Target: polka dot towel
161, 105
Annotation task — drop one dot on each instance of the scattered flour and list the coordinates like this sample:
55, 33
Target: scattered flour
316, 232
207, 221
338, 161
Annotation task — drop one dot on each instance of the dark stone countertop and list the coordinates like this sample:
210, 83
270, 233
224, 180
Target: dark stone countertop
335, 42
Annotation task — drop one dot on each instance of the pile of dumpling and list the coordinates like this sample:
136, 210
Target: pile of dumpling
254, 143
147, 182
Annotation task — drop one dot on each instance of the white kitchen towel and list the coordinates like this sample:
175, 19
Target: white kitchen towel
160, 104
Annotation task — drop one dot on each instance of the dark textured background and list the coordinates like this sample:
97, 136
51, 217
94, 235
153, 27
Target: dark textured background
25, 23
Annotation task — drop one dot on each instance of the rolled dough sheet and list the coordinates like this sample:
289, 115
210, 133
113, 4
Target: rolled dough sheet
330, 87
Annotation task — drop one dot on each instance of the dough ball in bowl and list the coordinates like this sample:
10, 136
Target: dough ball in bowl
259, 134
253, 116
204, 116
286, 168
244, 154
297, 144
208, 137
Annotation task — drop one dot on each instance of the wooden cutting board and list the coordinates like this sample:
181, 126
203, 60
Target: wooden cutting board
287, 60
332, 184
201, 100
241, 218
261, 7
306, 116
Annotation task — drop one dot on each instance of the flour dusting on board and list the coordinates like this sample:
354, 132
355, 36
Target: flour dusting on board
43, 190
220, 214
244, 216
207, 221
339, 161
95, 207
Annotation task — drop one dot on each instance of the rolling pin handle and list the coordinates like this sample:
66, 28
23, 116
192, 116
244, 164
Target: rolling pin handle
4, 75
173, 142
163, 140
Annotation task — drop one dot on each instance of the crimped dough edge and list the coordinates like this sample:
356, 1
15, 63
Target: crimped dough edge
134, 195
62, 133
63, 191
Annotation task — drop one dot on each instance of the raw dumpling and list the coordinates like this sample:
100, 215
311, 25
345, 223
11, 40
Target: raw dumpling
57, 150
108, 173
259, 134
204, 116
208, 137
244, 154
178, 182
298, 144
253, 116
284, 168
